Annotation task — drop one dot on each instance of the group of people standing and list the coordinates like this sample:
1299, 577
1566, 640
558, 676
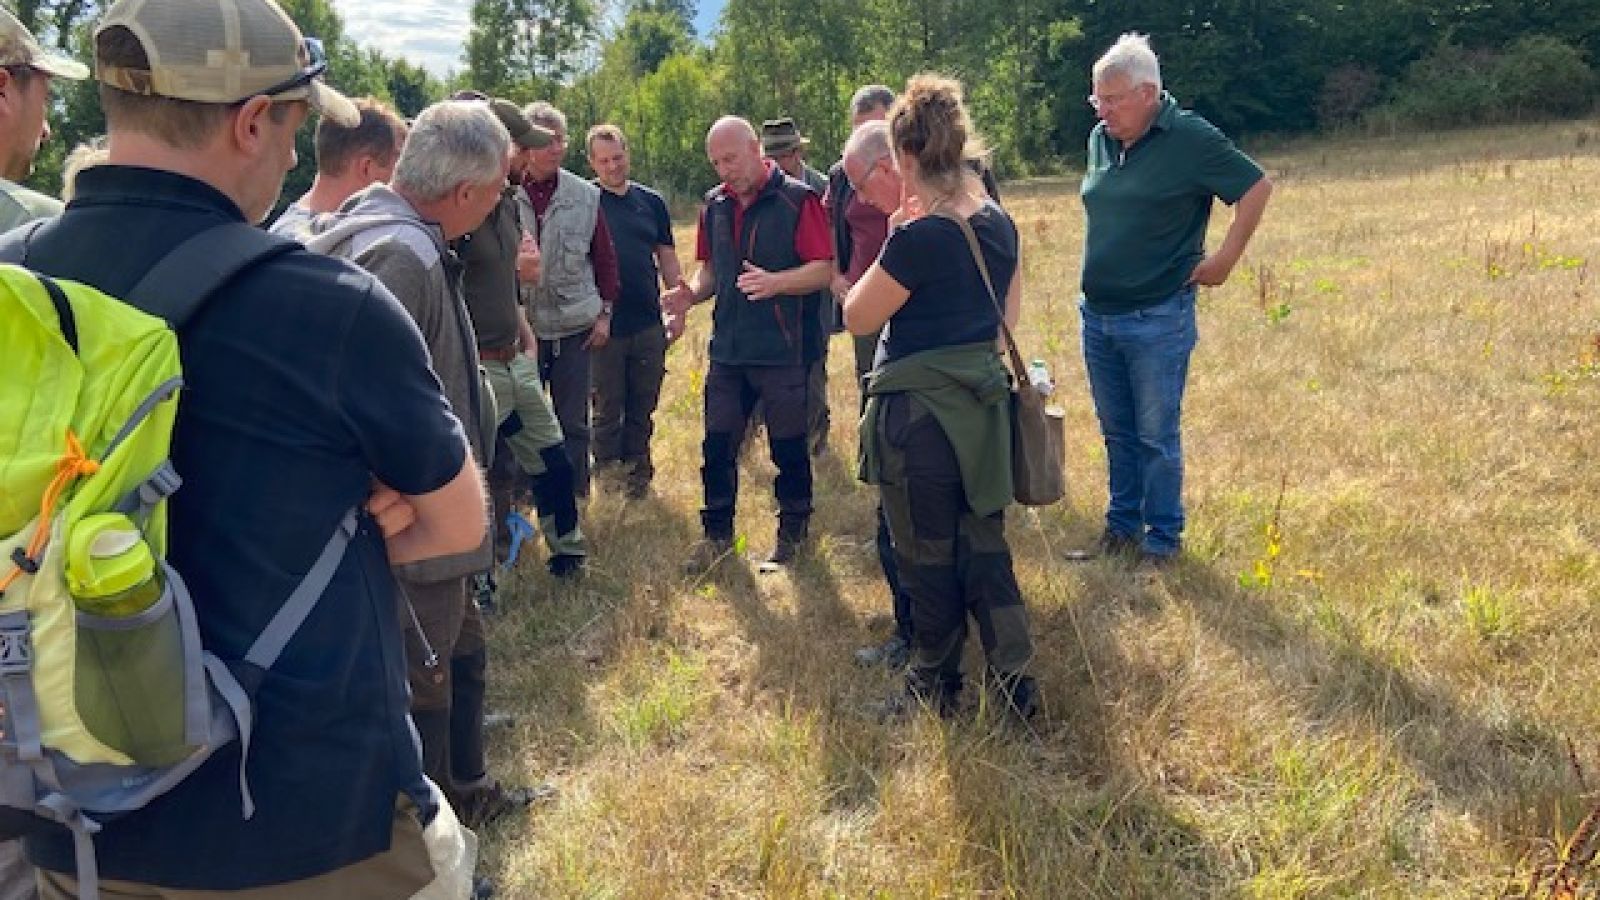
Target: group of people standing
459, 291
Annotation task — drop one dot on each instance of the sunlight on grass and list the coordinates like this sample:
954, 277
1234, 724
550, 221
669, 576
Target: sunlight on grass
1362, 682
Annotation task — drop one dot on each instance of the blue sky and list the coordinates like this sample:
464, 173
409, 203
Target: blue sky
432, 32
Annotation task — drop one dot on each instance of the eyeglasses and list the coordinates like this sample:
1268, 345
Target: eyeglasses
867, 178
316, 64
1099, 103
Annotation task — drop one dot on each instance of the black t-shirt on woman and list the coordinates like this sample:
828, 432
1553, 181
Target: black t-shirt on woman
949, 303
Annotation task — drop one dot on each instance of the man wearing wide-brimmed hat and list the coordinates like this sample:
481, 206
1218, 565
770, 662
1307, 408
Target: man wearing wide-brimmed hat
307, 397
782, 142
25, 72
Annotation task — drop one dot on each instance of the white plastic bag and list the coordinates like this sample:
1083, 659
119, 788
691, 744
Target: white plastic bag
453, 853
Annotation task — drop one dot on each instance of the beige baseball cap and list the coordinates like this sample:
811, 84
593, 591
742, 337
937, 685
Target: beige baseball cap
18, 47
222, 51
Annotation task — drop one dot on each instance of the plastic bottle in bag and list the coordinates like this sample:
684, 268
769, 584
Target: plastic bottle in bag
129, 685
1039, 377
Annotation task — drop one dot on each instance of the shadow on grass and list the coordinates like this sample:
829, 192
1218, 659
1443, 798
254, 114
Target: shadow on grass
1481, 763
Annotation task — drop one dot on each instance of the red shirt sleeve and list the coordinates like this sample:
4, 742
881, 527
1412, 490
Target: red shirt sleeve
813, 240
603, 257
702, 241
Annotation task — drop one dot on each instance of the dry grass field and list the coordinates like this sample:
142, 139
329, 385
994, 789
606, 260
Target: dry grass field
1375, 673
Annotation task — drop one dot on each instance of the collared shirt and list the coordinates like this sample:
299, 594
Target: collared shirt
490, 280
304, 381
19, 204
1148, 205
602, 254
869, 228
811, 238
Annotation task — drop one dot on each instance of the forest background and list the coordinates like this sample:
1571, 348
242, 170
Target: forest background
1255, 68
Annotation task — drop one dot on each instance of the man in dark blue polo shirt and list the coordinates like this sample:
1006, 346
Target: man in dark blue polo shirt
307, 392
628, 370
1152, 174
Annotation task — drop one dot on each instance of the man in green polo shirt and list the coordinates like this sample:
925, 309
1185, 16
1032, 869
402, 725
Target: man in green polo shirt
1153, 172
25, 73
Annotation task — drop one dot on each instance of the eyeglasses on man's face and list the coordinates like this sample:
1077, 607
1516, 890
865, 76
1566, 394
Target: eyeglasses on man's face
1103, 102
872, 169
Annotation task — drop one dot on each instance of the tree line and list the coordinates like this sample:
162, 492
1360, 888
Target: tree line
1250, 66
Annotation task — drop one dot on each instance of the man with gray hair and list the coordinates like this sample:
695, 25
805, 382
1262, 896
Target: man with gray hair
1153, 171
449, 177
571, 304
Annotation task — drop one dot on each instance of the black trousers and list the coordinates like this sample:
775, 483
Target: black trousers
731, 395
952, 563
564, 368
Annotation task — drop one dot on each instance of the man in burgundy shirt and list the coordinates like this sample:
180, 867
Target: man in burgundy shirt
764, 254
859, 230
570, 305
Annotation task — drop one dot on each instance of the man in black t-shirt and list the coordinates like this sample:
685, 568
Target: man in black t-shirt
628, 370
307, 392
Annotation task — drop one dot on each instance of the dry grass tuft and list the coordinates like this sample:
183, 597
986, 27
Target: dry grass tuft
1362, 681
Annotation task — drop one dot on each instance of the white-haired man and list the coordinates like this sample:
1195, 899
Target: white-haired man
1152, 174
449, 177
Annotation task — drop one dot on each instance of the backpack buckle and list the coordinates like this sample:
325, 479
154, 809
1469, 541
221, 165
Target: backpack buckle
23, 561
16, 648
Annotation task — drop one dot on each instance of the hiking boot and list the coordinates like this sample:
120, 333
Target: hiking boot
893, 653
705, 553
1152, 563
566, 565
1018, 695
493, 720
943, 699
483, 588
1110, 544
784, 552
489, 802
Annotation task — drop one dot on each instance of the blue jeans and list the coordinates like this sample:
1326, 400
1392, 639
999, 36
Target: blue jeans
1138, 364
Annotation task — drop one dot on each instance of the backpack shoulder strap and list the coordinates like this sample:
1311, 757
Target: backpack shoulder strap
15, 251
180, 284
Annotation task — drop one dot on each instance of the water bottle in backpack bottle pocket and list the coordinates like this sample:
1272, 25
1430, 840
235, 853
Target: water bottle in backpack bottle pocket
129, 693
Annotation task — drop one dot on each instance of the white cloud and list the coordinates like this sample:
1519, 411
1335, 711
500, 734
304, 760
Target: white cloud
430, 33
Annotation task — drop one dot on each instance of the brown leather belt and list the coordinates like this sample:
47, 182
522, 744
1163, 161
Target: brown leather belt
504, 354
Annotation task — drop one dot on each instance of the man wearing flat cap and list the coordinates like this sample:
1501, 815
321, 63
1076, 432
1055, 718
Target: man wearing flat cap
309, 410
782, 142
25, 72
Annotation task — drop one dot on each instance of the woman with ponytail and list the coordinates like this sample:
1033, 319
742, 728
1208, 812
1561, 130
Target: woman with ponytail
936, 433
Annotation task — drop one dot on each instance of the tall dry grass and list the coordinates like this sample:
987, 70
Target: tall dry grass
1362, 680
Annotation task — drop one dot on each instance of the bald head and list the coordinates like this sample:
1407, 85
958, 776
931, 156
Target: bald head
731, 128
735, 153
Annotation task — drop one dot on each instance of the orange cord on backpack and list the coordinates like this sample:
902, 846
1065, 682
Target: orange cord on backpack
75, 463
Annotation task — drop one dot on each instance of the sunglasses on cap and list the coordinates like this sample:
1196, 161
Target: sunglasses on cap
316, 64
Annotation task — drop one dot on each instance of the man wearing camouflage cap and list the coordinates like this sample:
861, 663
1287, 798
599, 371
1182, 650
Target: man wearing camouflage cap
25, 72
307, 393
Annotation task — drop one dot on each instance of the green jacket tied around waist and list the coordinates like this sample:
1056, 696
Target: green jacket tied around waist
967, 390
